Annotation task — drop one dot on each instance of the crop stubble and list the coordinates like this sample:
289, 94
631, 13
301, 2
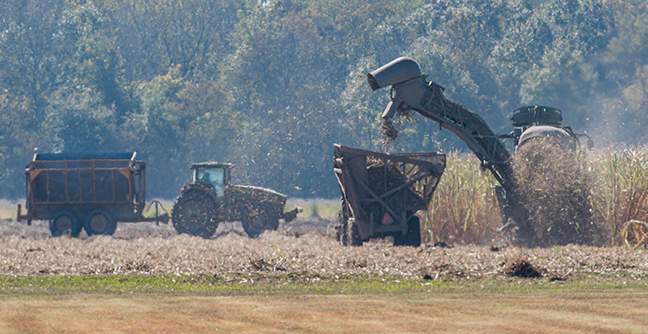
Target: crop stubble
146, 248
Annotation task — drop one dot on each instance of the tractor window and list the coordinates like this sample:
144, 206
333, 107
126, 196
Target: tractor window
214, 176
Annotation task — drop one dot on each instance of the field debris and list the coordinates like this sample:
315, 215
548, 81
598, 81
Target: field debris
523, 269
442, 244
262, 265
389, 132
560, 206
133, 250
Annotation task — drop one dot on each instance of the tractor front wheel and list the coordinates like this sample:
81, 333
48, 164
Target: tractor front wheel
261, 217
195, 213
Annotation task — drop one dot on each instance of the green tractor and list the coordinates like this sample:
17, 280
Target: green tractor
211, 198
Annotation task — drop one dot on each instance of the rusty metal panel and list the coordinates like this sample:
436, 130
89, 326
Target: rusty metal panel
384, 191
82, 178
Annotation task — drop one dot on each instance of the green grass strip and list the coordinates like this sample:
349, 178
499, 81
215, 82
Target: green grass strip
291, 283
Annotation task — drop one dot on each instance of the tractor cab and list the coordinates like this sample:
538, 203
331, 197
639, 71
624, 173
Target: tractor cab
216, 174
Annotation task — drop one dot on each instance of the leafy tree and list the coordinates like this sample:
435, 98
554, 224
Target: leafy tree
136, 29
16, 143
79, 122
271, 85
180, 122
286, 74
30, 49
153, 35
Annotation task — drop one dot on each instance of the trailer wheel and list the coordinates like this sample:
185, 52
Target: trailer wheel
353, 234
65, 222
260, 218
340, 228
100, 221
347, 232
194, 212
413, 236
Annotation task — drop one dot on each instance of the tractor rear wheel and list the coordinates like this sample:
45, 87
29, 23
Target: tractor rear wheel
260, 217
195, 213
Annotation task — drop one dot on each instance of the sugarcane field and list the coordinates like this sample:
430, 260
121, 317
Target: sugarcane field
285, 166
304, 257
461, 237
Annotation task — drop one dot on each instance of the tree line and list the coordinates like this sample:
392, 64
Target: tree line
271, 85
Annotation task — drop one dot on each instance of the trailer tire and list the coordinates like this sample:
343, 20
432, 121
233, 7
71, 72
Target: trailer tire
195, 213
353, 233
260, 218
100, 221
340, 228
413, 236
65, 222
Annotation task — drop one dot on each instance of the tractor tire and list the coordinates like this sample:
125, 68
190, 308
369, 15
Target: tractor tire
195, 213
100, 222
413, 236
65, 222
261, 217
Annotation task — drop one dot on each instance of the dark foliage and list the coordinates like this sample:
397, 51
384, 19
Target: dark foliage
271, 85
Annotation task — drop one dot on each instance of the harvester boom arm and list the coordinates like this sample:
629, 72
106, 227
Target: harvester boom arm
410, 91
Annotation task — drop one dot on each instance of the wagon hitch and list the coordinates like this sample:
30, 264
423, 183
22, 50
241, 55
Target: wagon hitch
159, 218
292, 214
20, 217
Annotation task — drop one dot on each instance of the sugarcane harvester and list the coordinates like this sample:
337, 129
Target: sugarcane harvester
410, 90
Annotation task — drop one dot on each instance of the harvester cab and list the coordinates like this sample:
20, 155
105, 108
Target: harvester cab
541, 121
524, 117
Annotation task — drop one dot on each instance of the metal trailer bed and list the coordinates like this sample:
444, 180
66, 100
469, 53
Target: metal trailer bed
91, 191
381, 193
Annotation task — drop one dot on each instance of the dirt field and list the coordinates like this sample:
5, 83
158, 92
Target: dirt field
303, 248
462, 289
478, 312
